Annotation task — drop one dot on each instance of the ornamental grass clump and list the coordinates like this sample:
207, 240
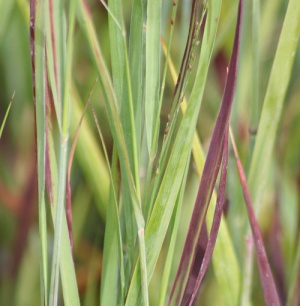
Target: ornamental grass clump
166, 155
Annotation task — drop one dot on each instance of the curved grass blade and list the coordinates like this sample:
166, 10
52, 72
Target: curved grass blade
164, 203
210, 172
266, 277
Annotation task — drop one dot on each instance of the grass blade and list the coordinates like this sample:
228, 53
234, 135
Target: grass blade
117, 132
113, 271
210, 173
6, 115
152, 110
205, 260
266, 277
164, 203
273, 102
228, 275
37, 46
136, 63
70, 162
172, 244
117, 46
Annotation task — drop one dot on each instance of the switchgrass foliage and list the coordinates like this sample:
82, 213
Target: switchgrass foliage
142, 207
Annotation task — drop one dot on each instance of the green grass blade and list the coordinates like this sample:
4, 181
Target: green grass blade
117, 47
112, 277
67, 269
6, 115
136, 57
58, 72
152, 110
85, 20
39, 71
122, 82
60, 81
115, 125
255, 66
273, 102
169, 188
172, 243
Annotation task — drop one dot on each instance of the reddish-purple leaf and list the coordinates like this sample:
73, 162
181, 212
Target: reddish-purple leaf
205, 260
276, 256
266, 277
210, 173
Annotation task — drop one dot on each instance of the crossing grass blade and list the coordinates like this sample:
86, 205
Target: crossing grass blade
62, 257
228, 275
203, 261
116, 127
209, 175
172, 178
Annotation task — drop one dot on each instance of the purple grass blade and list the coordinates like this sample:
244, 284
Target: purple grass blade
266, 277
215, 225
210, 173
276, 254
